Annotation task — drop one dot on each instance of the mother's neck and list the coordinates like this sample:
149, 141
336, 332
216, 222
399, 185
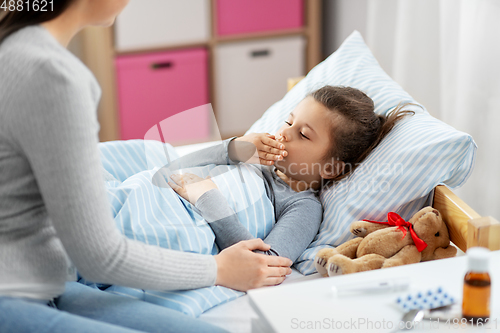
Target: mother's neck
67, 25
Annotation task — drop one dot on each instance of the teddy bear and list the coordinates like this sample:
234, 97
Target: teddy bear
387, 244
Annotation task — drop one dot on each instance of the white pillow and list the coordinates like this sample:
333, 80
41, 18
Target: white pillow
420, 152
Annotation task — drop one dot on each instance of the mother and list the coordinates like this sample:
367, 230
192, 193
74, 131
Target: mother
53, 205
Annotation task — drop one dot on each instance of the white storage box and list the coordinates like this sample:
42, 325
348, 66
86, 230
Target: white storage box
251, 76
151, 24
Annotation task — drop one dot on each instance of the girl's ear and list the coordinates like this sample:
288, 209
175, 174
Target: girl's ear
332, 170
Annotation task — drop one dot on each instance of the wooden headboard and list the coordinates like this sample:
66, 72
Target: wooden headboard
467, 228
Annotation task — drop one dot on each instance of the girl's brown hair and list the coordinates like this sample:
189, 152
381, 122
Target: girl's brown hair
11, 21
360, 129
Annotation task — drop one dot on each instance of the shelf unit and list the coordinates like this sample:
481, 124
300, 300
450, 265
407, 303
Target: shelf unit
98, 53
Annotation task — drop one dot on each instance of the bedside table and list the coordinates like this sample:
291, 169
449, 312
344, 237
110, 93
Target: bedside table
310, 306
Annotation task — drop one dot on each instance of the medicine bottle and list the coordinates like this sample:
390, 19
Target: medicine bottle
477, 287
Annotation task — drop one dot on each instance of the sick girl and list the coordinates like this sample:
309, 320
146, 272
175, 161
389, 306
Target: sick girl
323, 139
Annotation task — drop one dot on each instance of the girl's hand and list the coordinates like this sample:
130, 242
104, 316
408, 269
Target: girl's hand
241, 269
190, 186
243, 149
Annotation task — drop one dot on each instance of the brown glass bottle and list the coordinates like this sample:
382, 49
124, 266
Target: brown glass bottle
477, 287
476, 298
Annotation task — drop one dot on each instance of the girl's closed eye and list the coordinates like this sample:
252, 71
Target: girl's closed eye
302, 134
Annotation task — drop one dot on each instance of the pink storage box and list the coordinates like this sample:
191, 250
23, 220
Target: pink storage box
153, 87
247, 16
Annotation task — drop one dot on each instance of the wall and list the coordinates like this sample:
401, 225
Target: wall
75, 46
340, 18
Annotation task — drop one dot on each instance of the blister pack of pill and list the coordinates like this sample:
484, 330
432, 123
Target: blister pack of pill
428, 299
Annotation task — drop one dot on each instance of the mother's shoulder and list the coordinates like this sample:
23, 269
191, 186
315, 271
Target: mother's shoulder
32, 54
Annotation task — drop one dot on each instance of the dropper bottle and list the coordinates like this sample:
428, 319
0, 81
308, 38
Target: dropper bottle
477, 287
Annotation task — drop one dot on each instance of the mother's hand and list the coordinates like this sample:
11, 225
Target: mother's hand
241, 269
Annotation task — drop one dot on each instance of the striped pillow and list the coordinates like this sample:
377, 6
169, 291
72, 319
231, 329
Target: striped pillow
420, 152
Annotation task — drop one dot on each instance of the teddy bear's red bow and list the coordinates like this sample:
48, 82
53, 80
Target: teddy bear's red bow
396, 220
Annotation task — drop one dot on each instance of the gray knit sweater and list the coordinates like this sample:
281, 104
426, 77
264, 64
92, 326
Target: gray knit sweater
53, 203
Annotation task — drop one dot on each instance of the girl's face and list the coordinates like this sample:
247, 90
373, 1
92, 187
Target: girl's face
103, 12
306, 137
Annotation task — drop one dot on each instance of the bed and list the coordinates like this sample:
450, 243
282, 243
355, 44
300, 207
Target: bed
467, 228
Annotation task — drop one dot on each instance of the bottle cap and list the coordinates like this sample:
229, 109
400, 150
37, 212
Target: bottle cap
478, 259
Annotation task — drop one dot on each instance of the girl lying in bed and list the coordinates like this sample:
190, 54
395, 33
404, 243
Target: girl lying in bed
323, 140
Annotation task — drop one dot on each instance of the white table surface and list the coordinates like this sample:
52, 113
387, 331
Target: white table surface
311, 307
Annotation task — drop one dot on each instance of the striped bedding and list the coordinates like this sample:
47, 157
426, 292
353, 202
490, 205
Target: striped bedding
158, 216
